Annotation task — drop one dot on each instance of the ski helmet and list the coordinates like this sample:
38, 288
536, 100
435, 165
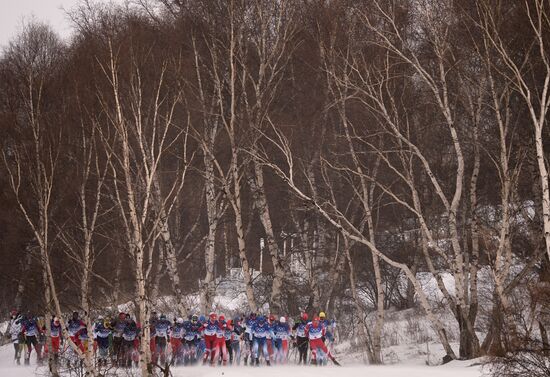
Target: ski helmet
322, 315
179, 321
282, 320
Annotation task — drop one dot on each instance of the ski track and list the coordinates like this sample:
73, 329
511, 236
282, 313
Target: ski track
454, 369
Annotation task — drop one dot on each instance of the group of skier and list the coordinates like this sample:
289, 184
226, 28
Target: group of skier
212, 340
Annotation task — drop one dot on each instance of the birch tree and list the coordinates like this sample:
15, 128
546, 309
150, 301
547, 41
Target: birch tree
520, 73
141, 113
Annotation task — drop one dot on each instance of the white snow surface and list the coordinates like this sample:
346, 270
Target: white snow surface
352, 369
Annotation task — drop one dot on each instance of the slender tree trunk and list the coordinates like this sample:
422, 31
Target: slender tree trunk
207, 288
27, 261
169, 249
236, 203
260, 197
362, 328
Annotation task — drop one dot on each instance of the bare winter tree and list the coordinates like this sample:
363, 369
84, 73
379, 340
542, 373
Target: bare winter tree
141, 113
35, 156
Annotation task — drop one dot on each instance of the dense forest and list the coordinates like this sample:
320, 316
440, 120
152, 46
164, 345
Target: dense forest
336, 149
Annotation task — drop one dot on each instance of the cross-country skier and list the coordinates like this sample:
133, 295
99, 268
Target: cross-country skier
221, 349
75, 326
14, 332
209, 331
161, 338
314, 332
281, 332
130, 342
102, 332
56, 333
31, 331
248, 338
270, 349
260, 333
177, 333
235, 344
191, 339
227, 335
300, 338
330, 325
41, 321
118, 326
200, 343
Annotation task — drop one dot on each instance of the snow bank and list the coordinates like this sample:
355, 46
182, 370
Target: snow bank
352, 369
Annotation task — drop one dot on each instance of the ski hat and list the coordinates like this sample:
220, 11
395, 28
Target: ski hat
100, 317
179, 320
222, 317
316, 319
213, 316
322, 315
282, 320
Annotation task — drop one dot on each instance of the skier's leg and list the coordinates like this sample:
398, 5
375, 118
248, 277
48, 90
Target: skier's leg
254, 354
265, 352
237, 349
207, 349
223, 348
313, 347
229, 348
16, 349
29, 350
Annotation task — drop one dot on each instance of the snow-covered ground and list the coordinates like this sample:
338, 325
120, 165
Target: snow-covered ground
409, 369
